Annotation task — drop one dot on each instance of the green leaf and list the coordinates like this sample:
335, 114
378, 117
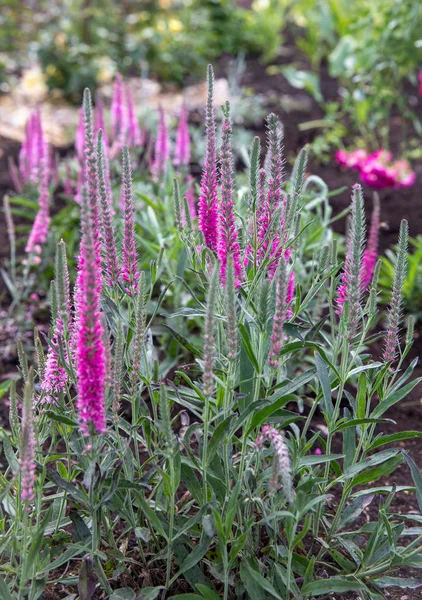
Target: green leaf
264, 413
417, 478
152, 517
4, 386
395, 397
4, 590
317, 459
186, 597
263, 583
61, 419
367, 463
361, 397
376, 473
303, 80
128, 594
247, 346
324, 379
194, 557
334, 584
207, 592
355, 422
184, 342
150, 593
401, 582
394, 437
216, 438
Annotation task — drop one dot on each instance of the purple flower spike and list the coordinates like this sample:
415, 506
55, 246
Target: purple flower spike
182, 148
228, 237
162, 148
117, 107
134, 131
282, 461
208, 197
130, 272
90, 352
281, 312
39, 231
80, 137
371, 252
100, 121
55, 377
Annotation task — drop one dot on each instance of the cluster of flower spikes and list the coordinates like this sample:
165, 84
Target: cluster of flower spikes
378, 170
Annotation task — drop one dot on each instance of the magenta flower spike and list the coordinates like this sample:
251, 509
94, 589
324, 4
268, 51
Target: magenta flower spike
27, 447
208, 197
39, 231
371, 252
130, 272
80, 137
89, 352
182, 147
134, 131
24, 153
228, 243
162, 148
117, 107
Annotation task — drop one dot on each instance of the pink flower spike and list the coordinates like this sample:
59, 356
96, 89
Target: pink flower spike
208, 197
117, 107
182, 148
134, 131
162, 148
190, 196
228, 243
130, 271
39, 231
371, 252
89, 352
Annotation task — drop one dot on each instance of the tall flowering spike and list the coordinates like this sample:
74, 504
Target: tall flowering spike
117, 107
109, 244
209, 345
90, 170
27, 447
276, 161
89, 352
62, 282
118, 360
371, 252
140, 326
281, 308
134, 131
227, 232
395, 308
162, 148
231, 311
350, 289
208, 197
182, 148
282, 460
130, 272
39, 231
269, 241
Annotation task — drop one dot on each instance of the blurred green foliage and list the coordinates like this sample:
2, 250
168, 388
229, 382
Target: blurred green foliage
374, 49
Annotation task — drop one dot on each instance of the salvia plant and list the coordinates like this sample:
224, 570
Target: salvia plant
207, 421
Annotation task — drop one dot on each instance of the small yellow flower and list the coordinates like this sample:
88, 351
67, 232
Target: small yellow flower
60, 40
106, 69
175, 26
51, 70
33, 83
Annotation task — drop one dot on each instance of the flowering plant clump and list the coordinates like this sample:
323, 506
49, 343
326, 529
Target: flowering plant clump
378, 170
169, 442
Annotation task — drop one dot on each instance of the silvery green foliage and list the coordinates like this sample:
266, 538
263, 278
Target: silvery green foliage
176, 486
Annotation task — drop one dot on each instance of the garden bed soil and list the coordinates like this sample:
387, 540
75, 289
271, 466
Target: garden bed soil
395, 205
